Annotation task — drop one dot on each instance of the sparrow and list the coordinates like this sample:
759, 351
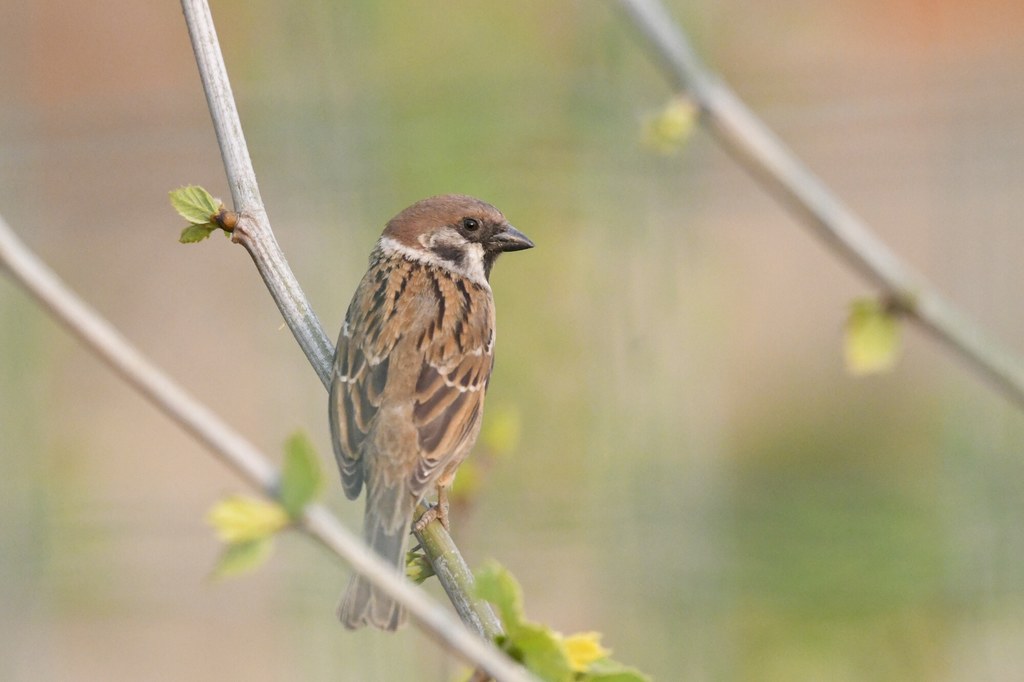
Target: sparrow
412, 364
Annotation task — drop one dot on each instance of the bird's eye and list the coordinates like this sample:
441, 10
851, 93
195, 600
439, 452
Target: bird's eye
471, 224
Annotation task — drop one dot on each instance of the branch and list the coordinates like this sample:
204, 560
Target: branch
758, 150
255, 234
253, 231
458, 584
238, 454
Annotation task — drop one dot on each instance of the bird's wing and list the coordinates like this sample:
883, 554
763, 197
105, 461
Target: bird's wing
360, 371
453, 378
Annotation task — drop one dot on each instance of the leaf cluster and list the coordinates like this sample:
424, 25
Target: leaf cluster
547, 653
203, 212
247, 525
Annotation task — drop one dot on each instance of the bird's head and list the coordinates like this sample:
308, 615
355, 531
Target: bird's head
454, 231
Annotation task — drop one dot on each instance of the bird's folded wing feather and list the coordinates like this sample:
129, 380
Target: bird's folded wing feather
453, 379
449, 404
360, 374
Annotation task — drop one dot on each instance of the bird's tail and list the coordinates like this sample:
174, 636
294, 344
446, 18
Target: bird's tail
386, 528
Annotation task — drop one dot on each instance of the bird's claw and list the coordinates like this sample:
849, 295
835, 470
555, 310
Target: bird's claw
438, 512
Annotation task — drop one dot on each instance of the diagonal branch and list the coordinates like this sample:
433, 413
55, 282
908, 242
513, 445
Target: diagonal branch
237, 453
255, 234
758, 150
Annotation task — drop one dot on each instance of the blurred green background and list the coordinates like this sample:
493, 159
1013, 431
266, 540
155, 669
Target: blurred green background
695, 476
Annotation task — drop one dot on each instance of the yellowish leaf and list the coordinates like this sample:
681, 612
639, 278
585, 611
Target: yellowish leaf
239, 519
872, 341
501, 429
417, 567
669, 130
242, 557
583, 649
468, 483
194, 204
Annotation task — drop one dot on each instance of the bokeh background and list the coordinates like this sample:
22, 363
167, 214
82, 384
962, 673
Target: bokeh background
694, 474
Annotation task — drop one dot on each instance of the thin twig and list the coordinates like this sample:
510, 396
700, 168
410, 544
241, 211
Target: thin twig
237, 453
255, 234
442, 552
253, 230
758, 150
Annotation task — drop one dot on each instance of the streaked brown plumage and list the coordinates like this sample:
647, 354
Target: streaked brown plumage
412, 365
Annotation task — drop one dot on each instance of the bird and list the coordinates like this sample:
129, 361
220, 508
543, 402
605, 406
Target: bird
411, 367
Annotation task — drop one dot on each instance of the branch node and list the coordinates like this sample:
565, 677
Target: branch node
226, 219
900, 303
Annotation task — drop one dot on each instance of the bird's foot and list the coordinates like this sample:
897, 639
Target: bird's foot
438, 512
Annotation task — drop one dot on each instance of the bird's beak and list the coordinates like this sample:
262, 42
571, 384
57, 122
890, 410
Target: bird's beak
509, 238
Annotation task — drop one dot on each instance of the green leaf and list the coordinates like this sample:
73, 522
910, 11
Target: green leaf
496, 584
242, 557
301, 479
196, 233
241, 519
194, 204
872, 337
542, 652
615, 672
417, 567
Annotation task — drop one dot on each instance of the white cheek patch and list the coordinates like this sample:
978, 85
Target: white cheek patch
443, 237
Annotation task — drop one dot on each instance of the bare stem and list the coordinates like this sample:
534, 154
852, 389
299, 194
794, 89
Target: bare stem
255, 234
253, 230
758, 150
442, 553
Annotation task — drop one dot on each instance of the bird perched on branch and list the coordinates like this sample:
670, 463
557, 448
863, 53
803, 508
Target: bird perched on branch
412, 365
